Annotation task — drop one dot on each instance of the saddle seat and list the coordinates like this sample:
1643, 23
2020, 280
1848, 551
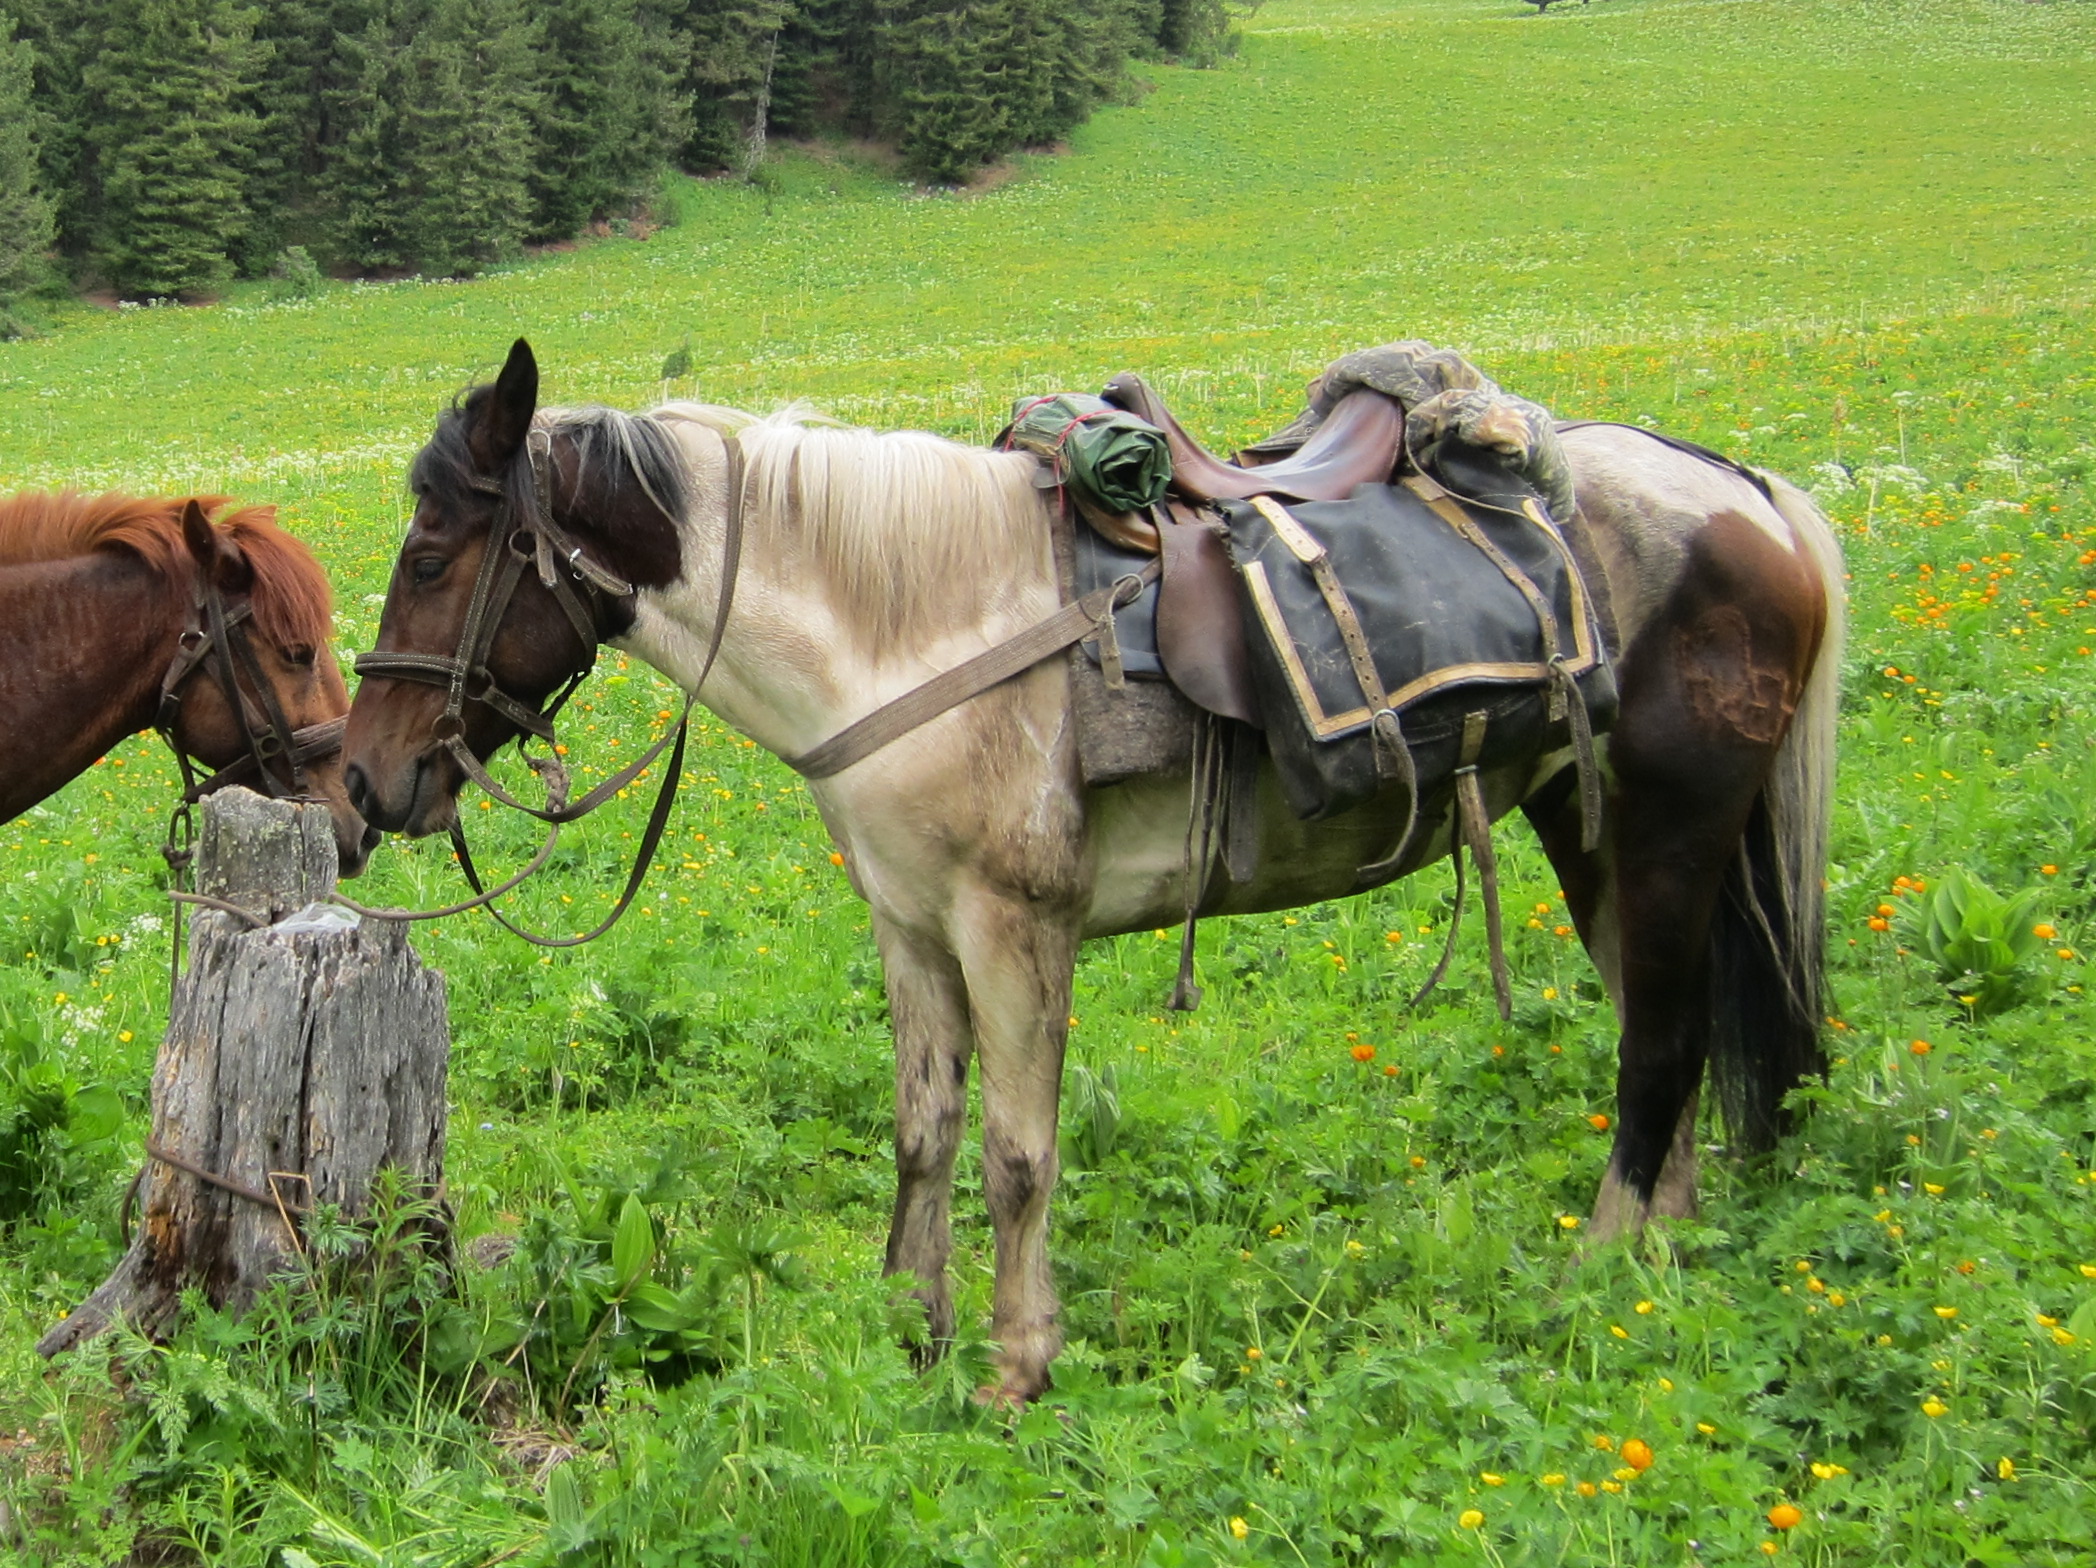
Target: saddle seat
1359, 442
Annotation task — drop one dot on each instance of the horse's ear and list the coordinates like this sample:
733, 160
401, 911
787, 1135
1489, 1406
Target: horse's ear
216, 553
199, 535
501, 419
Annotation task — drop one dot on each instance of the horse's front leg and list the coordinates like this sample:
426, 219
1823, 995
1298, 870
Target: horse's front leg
928, 1004
1018, 957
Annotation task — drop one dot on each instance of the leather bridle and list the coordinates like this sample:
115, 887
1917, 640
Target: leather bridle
217, 642
582, 588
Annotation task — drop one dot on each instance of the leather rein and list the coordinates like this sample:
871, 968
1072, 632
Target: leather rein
581, 587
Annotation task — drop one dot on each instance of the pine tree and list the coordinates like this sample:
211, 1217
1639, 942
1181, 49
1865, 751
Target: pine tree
25, 214
610, 110
1196, 31
939, 67
736, 54
173, 141
465, 138
353, 182
313, 72
63, 36
436, 111
1085, 44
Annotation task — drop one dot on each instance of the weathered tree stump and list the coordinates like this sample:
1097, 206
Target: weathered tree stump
302, 1057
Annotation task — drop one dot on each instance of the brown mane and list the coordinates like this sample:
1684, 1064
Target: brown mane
290, 593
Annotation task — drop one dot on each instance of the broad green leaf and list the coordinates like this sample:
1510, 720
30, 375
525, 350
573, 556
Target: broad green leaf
632, 1245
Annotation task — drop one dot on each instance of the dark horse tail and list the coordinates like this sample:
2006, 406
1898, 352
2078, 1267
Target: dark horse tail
1768, 940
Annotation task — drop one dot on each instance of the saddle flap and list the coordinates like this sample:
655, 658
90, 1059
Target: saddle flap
1410, 608
1200, 627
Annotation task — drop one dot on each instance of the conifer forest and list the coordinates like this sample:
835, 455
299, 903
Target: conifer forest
166, 147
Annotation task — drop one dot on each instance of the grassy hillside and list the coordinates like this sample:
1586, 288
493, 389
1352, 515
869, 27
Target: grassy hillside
1851, 241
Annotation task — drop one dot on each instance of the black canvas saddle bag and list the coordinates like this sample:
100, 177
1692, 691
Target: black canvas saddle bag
1405, 634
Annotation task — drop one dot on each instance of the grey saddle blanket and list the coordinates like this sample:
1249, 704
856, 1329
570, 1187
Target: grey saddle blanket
1472, 617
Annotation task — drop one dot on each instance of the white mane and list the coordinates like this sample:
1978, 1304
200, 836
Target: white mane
912, 533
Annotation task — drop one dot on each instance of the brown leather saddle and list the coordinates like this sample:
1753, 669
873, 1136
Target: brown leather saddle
1200, 619
1359, 443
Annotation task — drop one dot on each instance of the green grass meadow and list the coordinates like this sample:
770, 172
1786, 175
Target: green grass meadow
1320, 1257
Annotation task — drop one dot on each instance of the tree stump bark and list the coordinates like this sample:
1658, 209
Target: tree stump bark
302, 1056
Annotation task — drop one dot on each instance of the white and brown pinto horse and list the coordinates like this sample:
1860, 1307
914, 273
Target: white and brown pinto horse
875, 561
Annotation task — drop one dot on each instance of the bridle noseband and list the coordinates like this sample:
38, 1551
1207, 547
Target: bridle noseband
581, 587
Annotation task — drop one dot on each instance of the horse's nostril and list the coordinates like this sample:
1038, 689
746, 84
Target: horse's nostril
358, 789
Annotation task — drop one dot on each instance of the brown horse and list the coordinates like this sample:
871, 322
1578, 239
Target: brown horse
873, 562
106, 611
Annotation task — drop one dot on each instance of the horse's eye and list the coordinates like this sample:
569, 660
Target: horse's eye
428, 569
299, 654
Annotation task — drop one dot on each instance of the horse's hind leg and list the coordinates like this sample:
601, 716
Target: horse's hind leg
1019, 961
928, 1004
1588, 880
1664, 883
1709, 687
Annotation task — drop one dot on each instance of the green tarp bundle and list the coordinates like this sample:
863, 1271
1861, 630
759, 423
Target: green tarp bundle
1109, 456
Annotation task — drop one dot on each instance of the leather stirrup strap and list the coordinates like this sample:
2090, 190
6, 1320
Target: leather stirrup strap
1474, 832
1204, 790
1392, 759
1390, 733
1585, 766
1448, 942
1566, 700
1476, 824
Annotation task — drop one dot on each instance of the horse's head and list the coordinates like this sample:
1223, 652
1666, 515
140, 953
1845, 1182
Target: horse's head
527, 542
257, 676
